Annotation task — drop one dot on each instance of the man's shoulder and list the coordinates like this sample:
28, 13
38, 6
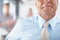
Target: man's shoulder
28, 20
25, 21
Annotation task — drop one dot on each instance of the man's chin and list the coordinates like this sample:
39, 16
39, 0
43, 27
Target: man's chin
48, 10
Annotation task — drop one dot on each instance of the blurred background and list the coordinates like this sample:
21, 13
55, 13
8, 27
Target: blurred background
11, 10
21, 7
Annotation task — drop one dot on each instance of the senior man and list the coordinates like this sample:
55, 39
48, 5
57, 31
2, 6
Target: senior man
44, 26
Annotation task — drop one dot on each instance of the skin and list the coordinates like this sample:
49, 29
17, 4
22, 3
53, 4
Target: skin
30, 14
6, 7
46, 8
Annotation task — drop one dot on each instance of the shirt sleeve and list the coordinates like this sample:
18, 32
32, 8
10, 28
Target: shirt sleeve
16, 33
6, 1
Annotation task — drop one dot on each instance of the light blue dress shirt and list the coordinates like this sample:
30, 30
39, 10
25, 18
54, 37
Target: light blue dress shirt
30, 28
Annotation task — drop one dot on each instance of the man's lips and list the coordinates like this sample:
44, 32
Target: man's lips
46, 6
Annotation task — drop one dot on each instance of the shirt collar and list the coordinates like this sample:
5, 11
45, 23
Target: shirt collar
52, 22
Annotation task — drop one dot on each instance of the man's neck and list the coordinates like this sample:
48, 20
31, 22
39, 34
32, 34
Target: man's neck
47, 17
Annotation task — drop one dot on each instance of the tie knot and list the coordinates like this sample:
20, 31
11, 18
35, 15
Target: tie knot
46, 24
